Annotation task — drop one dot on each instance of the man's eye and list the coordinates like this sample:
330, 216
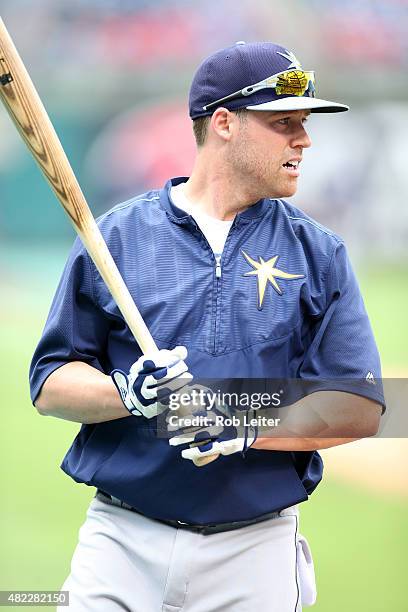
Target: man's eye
284, 121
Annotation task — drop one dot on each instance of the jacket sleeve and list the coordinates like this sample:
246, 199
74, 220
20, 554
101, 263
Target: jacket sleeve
76, 328
343, 355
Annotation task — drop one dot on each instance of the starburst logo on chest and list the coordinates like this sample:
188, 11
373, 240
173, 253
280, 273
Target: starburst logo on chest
266, 272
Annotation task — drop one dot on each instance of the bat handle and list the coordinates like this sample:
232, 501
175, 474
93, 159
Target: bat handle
201, 461
205, 459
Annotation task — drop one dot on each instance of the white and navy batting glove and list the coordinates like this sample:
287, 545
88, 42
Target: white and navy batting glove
217, 435
151, 380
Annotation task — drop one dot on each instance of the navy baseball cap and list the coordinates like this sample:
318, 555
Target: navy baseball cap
258, 76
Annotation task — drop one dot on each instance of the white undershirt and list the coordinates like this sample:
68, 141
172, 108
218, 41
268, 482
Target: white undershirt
215, 230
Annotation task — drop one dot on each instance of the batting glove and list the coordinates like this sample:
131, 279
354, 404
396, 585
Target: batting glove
151, 380
221, 431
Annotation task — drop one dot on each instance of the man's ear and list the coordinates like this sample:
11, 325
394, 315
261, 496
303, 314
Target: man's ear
223, 122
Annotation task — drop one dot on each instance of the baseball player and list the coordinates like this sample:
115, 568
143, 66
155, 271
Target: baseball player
233, 282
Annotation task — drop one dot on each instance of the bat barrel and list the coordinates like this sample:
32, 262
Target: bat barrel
24, 106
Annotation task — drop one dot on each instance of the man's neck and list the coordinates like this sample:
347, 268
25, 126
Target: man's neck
216, 193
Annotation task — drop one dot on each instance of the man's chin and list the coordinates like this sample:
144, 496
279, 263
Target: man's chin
285, 192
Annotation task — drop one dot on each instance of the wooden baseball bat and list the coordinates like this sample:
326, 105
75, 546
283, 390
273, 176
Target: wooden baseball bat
31, 119
23, 104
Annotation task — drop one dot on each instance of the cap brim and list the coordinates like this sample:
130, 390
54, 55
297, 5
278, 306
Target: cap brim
300, 103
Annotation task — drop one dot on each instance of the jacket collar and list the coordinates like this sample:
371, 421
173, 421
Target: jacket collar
178, 215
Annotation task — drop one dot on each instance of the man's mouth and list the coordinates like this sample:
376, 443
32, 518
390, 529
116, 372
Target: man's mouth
292, 164
292, 167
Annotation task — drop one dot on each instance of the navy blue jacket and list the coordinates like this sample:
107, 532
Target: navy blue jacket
312, 326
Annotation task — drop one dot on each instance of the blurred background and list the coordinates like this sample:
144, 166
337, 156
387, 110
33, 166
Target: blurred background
114, 77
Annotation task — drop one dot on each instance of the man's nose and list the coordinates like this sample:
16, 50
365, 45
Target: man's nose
302, 139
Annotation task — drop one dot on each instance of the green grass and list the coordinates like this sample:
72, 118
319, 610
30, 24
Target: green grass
385, 291
358, 537
358, 540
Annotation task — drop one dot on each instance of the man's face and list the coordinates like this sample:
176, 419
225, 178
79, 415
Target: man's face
267, 149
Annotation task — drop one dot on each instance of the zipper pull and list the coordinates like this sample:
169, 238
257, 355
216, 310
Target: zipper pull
218, 266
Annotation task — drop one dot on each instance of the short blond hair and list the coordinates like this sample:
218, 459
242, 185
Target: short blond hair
200, 125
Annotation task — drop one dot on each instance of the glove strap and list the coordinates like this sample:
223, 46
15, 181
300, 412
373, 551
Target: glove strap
255, 434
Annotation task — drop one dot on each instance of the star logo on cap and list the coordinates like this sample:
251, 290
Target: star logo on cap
291, 57
265, 271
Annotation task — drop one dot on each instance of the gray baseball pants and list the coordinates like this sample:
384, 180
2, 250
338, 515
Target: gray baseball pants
127, 562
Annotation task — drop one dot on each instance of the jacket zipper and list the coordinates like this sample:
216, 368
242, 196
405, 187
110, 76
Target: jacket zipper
218, 266
218, 274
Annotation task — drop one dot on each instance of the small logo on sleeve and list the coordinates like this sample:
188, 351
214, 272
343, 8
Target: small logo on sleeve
370, 378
